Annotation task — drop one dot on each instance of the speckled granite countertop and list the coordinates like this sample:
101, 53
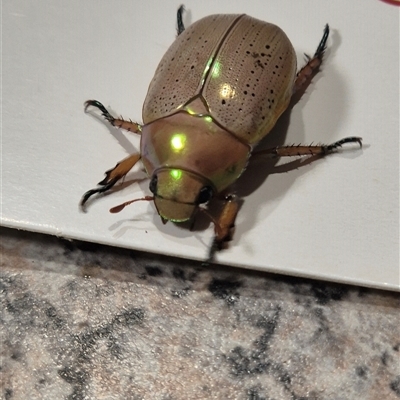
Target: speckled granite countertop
84, 321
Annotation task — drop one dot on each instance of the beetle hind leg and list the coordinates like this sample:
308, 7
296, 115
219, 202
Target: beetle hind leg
311, 150
334, 146
112, 176
117, 122
313, 63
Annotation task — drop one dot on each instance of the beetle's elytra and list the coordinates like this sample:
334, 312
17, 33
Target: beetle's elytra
218, 90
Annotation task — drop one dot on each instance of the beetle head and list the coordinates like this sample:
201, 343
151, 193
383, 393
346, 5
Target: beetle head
178, 193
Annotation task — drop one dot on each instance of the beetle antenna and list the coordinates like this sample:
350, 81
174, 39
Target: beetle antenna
119, 208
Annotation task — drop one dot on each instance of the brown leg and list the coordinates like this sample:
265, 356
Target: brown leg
313, 64
300, 150
224, 225
113, 176
117, 122
226, 220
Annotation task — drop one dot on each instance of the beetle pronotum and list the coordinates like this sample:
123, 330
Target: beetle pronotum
218, 90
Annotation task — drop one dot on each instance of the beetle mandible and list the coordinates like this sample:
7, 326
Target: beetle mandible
218, 90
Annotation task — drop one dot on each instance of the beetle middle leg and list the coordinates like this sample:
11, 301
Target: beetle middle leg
117, 122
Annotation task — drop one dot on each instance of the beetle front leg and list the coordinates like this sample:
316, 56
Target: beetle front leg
117, 122
224, 225
112, 176
313, 63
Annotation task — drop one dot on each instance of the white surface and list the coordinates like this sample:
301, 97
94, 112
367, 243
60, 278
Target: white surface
336, 219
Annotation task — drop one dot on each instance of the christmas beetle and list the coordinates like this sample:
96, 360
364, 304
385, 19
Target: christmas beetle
218, 90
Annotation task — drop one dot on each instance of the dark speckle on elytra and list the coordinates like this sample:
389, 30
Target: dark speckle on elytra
154, 271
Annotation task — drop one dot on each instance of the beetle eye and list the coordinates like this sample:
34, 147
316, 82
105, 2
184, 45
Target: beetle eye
205, 194
153, 184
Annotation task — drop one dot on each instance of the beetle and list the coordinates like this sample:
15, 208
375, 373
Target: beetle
218, 90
